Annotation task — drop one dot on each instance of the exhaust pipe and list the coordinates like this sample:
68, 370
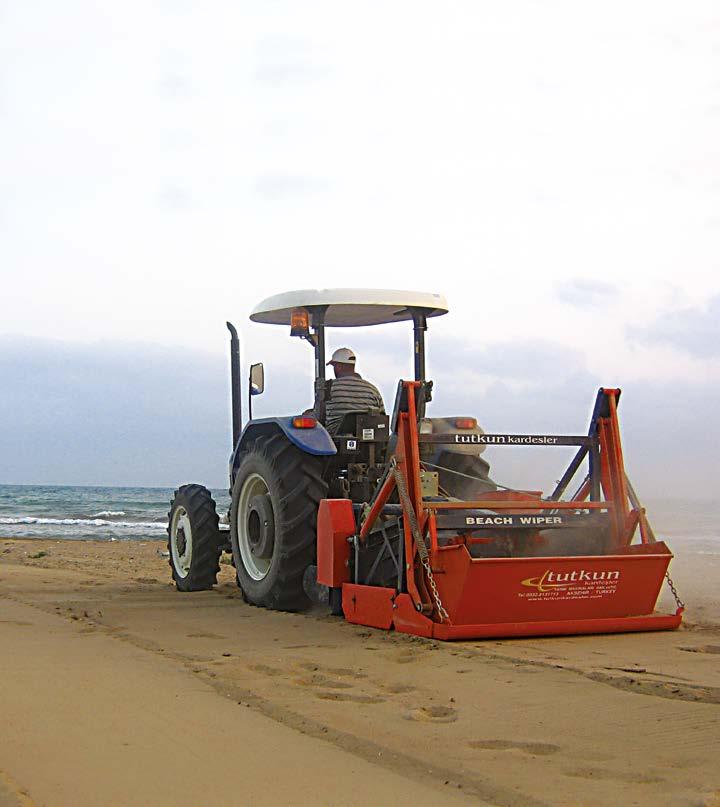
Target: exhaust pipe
236, 400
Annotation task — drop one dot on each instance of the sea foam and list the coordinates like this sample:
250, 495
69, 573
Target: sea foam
86, 522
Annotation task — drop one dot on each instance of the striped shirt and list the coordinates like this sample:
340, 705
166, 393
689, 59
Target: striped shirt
350, 393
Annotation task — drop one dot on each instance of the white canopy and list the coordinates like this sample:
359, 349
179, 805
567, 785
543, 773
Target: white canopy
350, 308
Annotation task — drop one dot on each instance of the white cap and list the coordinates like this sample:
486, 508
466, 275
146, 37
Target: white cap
343, 355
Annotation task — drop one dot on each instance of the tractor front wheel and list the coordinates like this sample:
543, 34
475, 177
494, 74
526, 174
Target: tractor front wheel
273, 522
194, 540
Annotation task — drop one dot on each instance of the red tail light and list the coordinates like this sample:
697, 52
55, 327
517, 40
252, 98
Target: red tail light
465, 423
304, 423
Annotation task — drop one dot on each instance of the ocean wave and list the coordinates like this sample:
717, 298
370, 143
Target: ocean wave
84, 522
108, 513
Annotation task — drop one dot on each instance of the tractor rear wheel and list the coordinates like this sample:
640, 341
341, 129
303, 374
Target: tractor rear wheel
194, 541
273, 522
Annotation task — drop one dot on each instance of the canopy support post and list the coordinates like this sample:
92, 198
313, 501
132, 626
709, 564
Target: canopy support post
419, 328
318, 323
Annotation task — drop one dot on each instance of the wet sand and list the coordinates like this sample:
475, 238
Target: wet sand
116, 689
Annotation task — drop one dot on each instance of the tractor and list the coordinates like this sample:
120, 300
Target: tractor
396, 515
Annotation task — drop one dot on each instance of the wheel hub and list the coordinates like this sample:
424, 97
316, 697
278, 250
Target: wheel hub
181, 544
255, 524
260, 526
181, 541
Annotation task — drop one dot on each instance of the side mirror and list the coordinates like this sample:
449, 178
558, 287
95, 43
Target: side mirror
257, 379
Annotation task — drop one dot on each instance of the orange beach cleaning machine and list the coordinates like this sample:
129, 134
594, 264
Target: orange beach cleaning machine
443, 592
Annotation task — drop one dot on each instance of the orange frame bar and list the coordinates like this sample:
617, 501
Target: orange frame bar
467, 584
530, 504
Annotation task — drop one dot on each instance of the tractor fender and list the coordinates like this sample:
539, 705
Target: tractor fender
315, 441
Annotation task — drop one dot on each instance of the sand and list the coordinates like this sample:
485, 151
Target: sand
115, 689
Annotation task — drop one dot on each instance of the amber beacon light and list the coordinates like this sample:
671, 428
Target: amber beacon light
299, 322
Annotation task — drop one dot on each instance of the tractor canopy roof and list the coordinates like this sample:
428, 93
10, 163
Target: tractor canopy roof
349, 308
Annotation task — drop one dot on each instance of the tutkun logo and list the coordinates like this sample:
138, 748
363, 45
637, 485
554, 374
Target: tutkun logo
550, 580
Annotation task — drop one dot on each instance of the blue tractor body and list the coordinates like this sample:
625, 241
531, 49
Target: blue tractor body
315, 441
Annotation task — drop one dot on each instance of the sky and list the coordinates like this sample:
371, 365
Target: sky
552, 168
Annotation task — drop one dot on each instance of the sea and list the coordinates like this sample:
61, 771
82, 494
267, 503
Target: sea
140, 514
89, 513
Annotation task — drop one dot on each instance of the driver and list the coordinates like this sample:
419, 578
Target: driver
350, 392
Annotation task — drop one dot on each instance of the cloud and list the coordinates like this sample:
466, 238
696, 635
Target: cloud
668, 434
526, 361
175, 197
123, 413
277, 186
175, 85
586, 293
544, 387
110, 414
132, 413
282, 60
692, 330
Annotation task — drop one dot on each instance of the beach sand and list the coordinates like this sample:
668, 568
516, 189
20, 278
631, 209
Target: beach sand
116, 689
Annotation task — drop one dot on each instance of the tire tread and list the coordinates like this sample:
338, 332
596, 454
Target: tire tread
207, 545
300, 487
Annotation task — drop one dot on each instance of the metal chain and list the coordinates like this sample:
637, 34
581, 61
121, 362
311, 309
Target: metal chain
436, 594
678, 601
417, 537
